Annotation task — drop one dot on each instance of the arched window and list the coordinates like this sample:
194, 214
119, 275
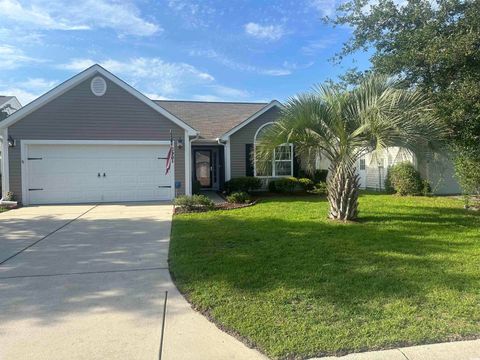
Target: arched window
282, 158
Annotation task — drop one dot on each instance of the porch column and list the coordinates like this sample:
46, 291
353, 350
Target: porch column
4, 164
228, 171
188, 164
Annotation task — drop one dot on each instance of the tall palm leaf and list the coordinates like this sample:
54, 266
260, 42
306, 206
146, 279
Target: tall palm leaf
343, 126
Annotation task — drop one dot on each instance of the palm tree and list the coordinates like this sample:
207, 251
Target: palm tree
343, 126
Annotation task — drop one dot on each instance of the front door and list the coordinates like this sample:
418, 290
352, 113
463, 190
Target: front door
203, 167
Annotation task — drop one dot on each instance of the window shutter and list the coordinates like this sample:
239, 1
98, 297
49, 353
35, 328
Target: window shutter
296, 163
248, 160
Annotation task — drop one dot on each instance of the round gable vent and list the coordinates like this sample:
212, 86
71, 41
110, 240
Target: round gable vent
98, 86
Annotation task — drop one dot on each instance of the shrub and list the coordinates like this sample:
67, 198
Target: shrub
467, 171
317, 176
285, 185
426, 188
320, 176
321, 188
193, 202
10, 196
271, 186
403, 179
240, 197
244, 183
196, 187
306, 184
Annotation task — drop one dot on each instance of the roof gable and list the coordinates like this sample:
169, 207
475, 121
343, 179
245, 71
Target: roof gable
77, 79
272, 104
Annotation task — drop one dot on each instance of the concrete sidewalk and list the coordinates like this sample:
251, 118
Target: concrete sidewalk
460, 350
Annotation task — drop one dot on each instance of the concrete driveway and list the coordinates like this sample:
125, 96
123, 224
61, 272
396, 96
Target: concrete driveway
92, 282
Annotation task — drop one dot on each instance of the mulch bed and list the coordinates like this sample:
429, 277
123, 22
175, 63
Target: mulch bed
223, 206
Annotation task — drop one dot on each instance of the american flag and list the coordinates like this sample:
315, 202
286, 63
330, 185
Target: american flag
169, 155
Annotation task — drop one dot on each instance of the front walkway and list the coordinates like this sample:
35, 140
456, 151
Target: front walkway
460, 350
90, 282
213, 195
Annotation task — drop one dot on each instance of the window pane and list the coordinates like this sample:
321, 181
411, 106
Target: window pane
265, 170
362, 164
283, 152
283, 168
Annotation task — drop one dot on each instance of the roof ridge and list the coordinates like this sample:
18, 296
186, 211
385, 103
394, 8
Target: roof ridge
214, 102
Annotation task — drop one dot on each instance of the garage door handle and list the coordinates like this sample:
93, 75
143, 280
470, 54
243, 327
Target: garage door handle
104, 175
98, 175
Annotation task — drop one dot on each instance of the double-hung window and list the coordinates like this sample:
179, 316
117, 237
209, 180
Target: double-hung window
281, 163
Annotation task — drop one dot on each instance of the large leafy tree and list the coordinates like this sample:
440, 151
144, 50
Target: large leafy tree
433, 46
345, 125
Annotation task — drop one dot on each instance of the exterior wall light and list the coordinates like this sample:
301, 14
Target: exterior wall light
180, 143
11, 141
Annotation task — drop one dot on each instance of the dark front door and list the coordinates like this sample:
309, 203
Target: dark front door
203, 167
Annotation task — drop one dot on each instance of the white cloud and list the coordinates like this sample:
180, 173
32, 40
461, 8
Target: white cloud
207, 97
27, 90
151, 75
264, 32
277, 72
229, 93
194, 14
12, 57
123, 17
324, 7
235, 65
24, 96
20, 36
313, 47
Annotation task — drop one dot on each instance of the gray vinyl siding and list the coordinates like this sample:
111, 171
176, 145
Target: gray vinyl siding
246, 136
80, 115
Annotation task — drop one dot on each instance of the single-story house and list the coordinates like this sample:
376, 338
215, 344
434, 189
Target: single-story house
94, 138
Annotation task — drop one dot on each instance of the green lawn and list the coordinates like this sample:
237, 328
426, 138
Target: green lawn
294, 284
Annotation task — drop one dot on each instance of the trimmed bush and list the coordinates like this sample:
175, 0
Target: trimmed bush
306, 184
321, 188
238, 198
318, 175
193, 202
243, 184
196, 187
271, 186
403, 179
284, 185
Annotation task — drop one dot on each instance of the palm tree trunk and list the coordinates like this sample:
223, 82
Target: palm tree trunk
343, 188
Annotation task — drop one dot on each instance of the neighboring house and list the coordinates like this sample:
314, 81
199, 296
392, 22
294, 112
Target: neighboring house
95, 138
373, 168
8, 105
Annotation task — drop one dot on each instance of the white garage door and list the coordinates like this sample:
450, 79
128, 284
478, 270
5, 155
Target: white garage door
96, 173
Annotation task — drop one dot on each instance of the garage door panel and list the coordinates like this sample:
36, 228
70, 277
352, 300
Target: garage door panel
69, 173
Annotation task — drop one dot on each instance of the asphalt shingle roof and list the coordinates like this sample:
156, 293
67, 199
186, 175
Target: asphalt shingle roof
211, 119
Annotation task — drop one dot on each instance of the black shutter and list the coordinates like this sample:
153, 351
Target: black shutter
248, 160
296, 163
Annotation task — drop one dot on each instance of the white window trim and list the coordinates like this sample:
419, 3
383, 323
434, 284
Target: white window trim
274, 175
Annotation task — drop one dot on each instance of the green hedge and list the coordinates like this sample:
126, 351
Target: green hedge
243, 184
403, 179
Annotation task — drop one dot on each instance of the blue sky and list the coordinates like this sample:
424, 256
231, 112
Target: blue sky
173, 49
